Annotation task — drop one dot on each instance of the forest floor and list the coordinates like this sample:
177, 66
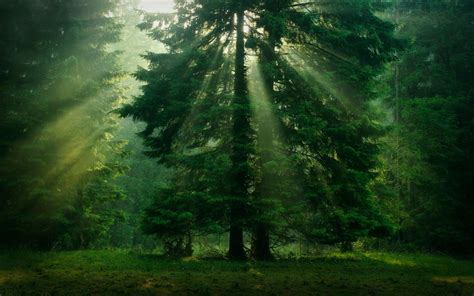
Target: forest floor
129, 273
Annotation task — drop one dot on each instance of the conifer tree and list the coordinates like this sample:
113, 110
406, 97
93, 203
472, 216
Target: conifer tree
316, 60
428, 156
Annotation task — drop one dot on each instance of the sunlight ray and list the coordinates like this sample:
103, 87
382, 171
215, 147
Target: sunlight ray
308, 69
68, 148
77, 152
260, 100
275, 162
202, 93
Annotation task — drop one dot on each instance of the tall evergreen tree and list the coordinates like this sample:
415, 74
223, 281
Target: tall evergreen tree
316, 61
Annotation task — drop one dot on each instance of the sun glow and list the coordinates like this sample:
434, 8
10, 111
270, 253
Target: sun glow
163, 6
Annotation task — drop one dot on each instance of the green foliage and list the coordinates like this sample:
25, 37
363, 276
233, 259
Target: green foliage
143, 176
257, 119
429, 156
175, 213
57, 89
198, 112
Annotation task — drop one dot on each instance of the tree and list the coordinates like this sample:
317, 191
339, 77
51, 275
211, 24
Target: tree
429, 155
191, 111
57, 78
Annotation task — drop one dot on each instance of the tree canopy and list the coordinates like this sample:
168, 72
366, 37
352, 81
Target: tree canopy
278, 92
269, 123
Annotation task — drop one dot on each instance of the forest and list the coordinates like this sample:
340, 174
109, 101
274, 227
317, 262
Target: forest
236, 147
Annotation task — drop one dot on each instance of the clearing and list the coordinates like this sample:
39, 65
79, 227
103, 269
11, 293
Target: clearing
129, 273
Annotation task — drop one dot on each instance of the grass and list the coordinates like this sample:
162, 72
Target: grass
128, 273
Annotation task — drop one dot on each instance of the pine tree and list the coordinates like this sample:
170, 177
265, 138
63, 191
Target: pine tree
316, 62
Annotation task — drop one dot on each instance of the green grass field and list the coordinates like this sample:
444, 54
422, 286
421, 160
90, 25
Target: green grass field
128, 273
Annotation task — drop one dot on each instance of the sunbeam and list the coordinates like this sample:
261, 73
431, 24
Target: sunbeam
307, 67
77, 152
262, 106
210, 81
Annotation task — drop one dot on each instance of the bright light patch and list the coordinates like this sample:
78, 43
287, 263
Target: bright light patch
262, 108
165, 6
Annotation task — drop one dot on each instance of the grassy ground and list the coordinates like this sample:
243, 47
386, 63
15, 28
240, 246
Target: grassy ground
126, 273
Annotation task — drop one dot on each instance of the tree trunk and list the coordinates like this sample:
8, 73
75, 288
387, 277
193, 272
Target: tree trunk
261, 243
188, 250
236, 243
398, 182
347, 247
241, 147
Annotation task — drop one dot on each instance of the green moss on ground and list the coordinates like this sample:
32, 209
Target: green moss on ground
127, 273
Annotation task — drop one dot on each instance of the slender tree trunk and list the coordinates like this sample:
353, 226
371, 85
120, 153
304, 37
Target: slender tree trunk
188, 250
347, 247
397, 122
261, 243
241, 147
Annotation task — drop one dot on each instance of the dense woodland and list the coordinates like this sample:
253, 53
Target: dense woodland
244, 127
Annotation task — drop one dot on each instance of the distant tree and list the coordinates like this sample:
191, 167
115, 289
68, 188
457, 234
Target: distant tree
429, 155
55, 132
143, 177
